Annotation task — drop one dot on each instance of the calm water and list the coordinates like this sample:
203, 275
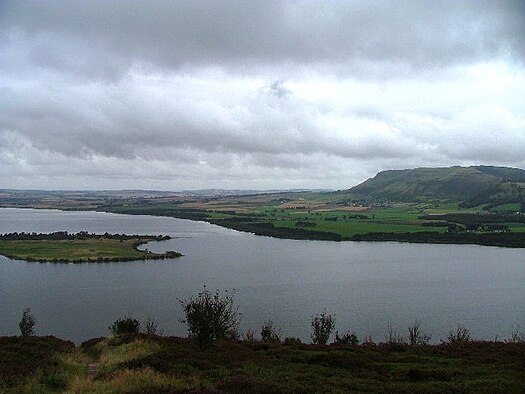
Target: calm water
367, 286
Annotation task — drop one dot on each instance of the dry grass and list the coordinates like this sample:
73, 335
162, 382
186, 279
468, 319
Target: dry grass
125, 381
112, 356
141, 364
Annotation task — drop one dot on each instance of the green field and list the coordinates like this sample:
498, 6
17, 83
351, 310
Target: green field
439, 214
150, 364
347, 224
512, 207
79, 250
349, 229
307, 216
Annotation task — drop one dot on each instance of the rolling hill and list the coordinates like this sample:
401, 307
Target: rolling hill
469, 186
431, 211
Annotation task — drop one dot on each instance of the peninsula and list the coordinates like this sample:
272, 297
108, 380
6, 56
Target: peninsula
82, 247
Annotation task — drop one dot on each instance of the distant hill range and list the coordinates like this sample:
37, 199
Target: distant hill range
469, 186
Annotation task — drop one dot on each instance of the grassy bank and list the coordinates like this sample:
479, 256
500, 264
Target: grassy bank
149, 364
80, 247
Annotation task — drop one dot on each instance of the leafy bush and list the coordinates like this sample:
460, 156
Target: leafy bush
460, 335
322, 327
210, 317
269, 333
27, 323
349, 338
127, 325
415, 336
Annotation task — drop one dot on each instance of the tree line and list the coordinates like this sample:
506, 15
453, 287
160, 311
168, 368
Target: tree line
64, 235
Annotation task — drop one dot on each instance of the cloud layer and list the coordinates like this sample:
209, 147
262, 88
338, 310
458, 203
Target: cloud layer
178, 95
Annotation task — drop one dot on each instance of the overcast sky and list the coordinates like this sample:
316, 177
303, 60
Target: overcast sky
175, 95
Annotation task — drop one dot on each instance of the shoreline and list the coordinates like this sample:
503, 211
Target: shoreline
501, 240
267, 229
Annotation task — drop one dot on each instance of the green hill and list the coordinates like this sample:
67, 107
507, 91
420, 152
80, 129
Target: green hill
470, 186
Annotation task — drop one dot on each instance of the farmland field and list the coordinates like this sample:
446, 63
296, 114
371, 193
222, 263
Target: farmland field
308, 216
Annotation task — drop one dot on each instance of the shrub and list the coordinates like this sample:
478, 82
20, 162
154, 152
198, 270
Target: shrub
322, 327
210, 317
27, 323
127, 325
269, 333
292, 341
517, 335
151, 327
394, 338
415, 336
249, 335
460, 335
349, 338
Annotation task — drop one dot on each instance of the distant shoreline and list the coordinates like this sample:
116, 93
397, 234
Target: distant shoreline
505, 240
502, 239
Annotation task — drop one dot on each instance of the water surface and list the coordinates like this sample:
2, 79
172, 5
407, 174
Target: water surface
367, 286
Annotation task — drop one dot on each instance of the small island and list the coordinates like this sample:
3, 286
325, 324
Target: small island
81, 247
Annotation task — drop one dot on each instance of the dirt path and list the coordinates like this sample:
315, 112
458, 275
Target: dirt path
93, 368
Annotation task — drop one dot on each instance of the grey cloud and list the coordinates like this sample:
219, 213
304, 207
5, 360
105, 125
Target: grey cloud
103, 39
477, 134
128, 122
183, 94
133, 120
278, 90
486, 134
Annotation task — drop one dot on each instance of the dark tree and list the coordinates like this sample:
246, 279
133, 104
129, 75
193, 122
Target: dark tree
322, 327
127, 325
27, 323
210, 316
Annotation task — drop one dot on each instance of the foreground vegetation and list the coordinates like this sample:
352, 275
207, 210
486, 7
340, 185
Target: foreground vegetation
80, 247
217, 359
139, 363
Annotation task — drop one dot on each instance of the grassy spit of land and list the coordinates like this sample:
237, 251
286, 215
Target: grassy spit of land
80, 247
150, 364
